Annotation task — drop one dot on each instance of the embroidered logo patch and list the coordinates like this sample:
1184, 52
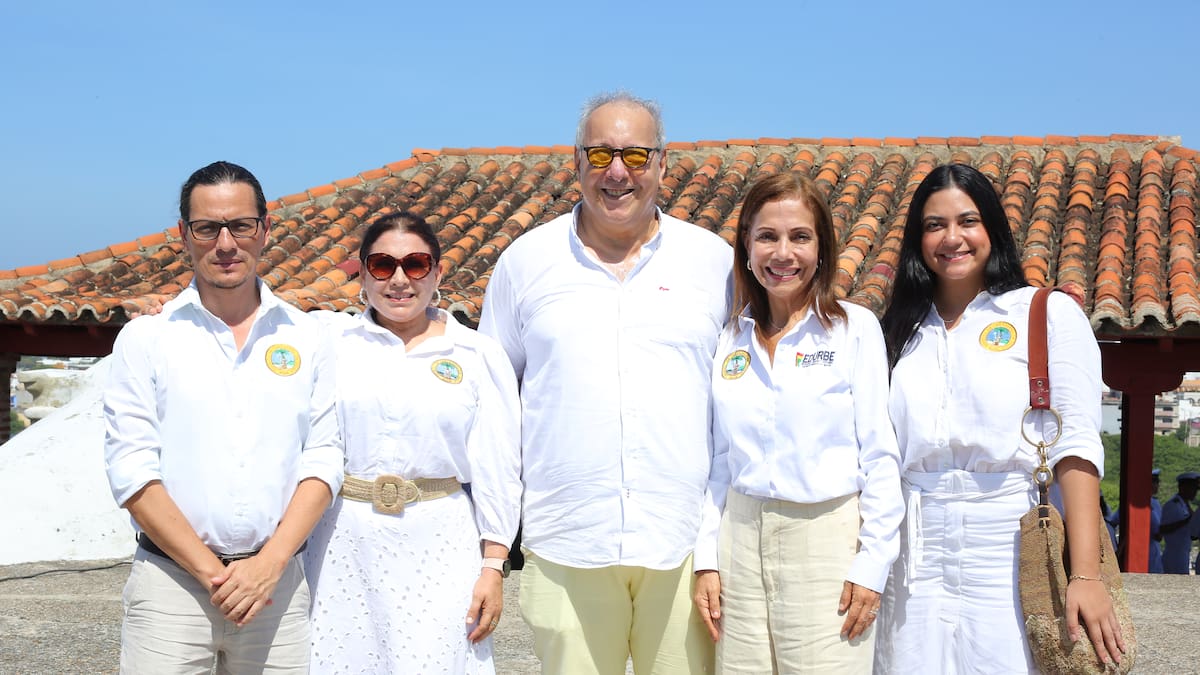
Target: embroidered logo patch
447, 371
283, 360
998, 336
821, 358
736, 365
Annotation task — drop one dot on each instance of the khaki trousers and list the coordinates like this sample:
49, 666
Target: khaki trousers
782, 567
170, 625
592, 620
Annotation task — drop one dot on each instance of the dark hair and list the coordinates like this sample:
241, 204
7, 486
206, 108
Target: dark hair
404, 221
746, 289
912, 292
220, 173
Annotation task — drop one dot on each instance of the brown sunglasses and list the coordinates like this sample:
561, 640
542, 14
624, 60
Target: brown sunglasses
415, 265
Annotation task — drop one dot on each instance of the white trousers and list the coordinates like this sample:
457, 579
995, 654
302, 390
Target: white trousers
782, 568
170, 625
951, 604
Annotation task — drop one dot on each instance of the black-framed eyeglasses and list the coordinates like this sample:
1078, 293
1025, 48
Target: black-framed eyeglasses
207, 230
414, 265
635, 157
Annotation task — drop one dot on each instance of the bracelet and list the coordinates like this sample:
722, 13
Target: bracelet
1073, 577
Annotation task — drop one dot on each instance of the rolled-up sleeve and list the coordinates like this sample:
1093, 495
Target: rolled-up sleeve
705, 555
1074, 368
322, 456
494, 449
880, 503
132, 444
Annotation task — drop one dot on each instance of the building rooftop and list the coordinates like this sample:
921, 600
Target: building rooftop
1111, 218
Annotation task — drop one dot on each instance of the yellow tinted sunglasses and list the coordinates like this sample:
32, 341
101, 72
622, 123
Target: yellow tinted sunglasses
634, 157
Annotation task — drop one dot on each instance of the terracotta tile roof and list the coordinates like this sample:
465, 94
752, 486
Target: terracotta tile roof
1111, 217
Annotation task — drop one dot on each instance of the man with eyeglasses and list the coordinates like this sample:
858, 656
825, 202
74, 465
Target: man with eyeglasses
610, 315
221, 441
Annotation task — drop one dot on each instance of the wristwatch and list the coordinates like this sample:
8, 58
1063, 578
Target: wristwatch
501, 565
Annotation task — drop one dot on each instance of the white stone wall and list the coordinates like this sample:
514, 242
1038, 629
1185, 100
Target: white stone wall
53, 490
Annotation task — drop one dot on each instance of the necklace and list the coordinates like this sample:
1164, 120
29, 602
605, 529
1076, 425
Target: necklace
777, 326
952, 320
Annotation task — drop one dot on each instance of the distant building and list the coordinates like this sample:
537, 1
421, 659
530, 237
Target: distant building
1166, 414
1193, 436
1110, 413
1190, 386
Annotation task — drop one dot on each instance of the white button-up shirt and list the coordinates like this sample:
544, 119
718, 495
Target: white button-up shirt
614, 389
958, 396
229, 432
810, 427
448, 408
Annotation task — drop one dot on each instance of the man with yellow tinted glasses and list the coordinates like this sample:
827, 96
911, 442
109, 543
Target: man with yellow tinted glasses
610, 315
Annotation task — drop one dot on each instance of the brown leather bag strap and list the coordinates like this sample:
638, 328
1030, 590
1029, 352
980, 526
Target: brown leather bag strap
1039, 362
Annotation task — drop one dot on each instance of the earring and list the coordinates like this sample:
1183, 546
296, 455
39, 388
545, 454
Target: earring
748, 266
437, 300
362, 296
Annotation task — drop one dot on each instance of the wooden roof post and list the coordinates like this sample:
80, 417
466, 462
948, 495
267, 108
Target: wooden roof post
1139, 371
8, 366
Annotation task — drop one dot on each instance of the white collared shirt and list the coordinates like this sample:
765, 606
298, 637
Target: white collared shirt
810, 427
614, 389
230, 433
958, 395
448, 408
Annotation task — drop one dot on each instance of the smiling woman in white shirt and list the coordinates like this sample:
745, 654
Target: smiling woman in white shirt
801, 518
955, 331
405, 568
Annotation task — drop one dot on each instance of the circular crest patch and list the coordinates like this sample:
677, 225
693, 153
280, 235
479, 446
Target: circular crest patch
283, 360
736, 365
447, 371
998, 336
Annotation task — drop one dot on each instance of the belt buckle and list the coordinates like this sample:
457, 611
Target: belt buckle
389, 494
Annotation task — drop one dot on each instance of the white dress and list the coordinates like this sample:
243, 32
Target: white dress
390, 593
952, 604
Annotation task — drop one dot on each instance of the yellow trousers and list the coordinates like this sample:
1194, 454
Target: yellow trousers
592, 620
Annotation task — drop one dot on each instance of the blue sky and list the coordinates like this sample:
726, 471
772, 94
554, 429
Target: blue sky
107, 107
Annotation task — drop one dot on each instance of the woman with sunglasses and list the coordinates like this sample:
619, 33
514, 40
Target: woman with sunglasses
405, 568
803, 505
956, 338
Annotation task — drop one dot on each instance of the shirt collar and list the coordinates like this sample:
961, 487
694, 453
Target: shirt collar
647, 248
748, 323
1003, 302
267, 301
367, 324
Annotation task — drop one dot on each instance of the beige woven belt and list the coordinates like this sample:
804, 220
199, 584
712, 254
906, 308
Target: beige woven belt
389, 493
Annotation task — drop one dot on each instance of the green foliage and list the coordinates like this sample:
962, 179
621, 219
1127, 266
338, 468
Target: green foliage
14, 423
1171, 455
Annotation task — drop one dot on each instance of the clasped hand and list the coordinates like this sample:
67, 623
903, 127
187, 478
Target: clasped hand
245, 587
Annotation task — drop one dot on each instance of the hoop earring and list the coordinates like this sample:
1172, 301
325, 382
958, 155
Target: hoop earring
748, 266
362, 296
437, 300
